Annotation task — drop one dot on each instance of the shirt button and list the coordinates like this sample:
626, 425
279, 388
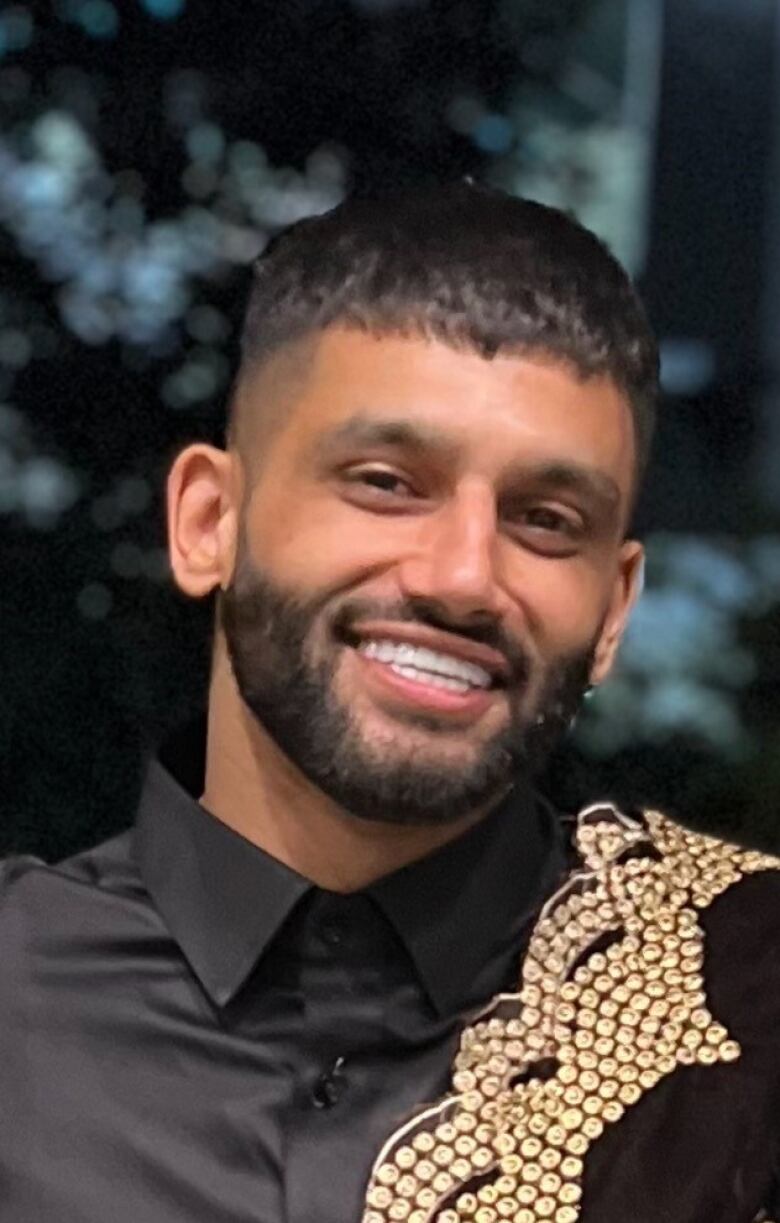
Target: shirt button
329, 1087
333, 932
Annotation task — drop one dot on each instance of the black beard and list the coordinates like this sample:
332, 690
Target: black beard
268, 637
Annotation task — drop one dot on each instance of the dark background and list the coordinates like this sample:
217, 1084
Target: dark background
148, 148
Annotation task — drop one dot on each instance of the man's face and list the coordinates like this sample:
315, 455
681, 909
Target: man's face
430, 568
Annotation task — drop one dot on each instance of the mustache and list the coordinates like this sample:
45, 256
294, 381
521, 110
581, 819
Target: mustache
417, 611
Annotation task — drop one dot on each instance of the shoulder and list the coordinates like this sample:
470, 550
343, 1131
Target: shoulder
742, 953
734, 887
104, 865
645, 862
15, 868
40, 898
57, 921
684, 865
732, 893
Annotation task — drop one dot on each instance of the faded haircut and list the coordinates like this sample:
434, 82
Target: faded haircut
474, 267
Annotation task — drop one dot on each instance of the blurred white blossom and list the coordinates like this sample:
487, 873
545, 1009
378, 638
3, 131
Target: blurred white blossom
36, 486
683, 665
125, 276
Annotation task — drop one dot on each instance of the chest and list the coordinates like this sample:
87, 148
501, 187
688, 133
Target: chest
277, 1113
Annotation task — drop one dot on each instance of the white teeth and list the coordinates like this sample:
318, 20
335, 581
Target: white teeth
403, 657
430, 679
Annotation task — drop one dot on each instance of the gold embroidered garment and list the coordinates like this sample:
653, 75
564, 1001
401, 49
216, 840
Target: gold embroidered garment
611, 1000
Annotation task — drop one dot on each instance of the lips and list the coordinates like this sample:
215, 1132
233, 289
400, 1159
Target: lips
437, 672
430, 693
438, 642
425, 665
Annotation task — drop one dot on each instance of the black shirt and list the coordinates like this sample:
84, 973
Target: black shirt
191, 1032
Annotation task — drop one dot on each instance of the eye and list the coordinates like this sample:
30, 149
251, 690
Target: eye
544, 518
547, 529
378, 484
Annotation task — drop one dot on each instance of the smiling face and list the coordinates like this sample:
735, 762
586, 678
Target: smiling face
430, 567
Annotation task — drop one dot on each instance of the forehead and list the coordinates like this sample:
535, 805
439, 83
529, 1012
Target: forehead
485, 414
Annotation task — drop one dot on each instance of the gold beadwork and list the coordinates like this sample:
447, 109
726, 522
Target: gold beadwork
613, 1027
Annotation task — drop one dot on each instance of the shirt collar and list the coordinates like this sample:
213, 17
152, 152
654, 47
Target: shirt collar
457, 909
223, 899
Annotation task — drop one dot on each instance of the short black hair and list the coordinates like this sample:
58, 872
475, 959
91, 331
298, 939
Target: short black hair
467, 264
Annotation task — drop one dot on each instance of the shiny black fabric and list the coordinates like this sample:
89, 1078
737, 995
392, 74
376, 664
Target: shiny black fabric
192, 1033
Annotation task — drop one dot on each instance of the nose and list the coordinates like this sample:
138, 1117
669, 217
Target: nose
454, 562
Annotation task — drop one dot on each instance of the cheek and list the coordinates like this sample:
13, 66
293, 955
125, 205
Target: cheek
561, 604
317, 543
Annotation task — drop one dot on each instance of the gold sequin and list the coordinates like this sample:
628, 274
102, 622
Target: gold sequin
399, 1210
566, 1214
615, 1025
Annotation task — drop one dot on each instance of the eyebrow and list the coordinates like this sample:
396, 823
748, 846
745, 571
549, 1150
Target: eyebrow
414, 436
403, 434
588, 482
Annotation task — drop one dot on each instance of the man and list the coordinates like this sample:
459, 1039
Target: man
347, 964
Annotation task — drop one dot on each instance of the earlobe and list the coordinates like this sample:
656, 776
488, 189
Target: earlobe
628, 586
201, 519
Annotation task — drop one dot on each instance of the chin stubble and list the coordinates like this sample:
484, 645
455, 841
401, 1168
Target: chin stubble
292, 696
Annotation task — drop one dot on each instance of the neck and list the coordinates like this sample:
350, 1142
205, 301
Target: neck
257, 791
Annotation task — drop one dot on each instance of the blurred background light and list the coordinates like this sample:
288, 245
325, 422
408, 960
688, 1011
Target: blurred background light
687, 365
164, 10
16, 29
94, 601
148, 152
98, 18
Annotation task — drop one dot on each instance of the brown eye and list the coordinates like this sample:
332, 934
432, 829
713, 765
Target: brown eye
547, 530
386, 481
545, 519
376, 481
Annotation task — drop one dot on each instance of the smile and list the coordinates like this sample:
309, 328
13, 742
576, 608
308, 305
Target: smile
424, 678
424, 666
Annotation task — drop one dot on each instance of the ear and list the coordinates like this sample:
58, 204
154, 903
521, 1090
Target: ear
625, 592
202, 512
